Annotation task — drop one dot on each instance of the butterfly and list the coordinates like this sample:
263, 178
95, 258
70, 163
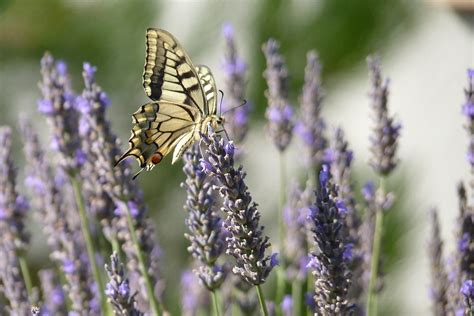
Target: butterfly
184, 103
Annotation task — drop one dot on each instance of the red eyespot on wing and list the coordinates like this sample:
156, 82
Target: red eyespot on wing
156, 158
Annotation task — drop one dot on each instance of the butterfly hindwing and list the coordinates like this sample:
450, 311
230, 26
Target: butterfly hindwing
157, 129
169, 73
208, 85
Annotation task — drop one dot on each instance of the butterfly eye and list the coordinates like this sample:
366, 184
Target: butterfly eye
156, 158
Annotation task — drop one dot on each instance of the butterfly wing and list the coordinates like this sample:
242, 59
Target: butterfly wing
158, 128
169, 73
209, 88
170, 79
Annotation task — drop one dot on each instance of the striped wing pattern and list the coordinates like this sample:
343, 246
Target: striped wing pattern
209, 87
169, 74
157, 128
183, 95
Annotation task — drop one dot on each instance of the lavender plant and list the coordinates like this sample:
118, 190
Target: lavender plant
118, 200
51, 211
118, 289
246, 242
205, 225
384, 143
311, 126
59, 108
14, 273
236, 112
84, 196
330, 260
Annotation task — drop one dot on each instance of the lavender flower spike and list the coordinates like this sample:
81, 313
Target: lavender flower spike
468, 111
68, 250
279, 111
94, 130
467, 290
235, 69
246, 242
311, 126
57, 105
118, 289
53, 293
384, 141
329, 262
203, 222
439, 277
14, 237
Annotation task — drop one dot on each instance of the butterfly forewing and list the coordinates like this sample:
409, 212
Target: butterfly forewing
169, 74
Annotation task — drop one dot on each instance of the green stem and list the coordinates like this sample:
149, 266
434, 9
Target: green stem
261, 299
26, 276
298, 297
215, 302
374, 262
154, 305
281, 284
89, 244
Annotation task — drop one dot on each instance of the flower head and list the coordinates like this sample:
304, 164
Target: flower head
246, 242
384, 140
279, 111
329, 263
235, 70
311, 126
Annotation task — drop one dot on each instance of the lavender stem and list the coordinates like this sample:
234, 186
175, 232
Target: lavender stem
25, 272
215, 303
297, 291
154, 305
261, 299
374, 262
280, 292
91, 252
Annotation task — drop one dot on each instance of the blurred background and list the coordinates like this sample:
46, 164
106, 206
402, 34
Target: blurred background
425, 47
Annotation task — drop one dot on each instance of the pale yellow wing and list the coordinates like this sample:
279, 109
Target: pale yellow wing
169, 73
157, 129
208, 85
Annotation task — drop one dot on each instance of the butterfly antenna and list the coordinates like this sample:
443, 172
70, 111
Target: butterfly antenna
222, 98
225, 132
137, 174
236, 107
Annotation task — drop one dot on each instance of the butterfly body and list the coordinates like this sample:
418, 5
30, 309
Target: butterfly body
184, 103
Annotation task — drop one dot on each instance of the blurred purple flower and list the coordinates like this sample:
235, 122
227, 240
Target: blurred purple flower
279, 111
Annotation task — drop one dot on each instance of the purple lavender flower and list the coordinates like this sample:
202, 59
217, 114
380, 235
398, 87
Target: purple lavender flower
467, 290
311, 126
53, 293
193, 296
279, 111
328, 263
340, 157
246, 242
384, 141
439, 277
203, 222
468, 111
57, 104
13, 207
287, 306
236, 116
14, 239
94, 130
111, 191
58, 218
118, 289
